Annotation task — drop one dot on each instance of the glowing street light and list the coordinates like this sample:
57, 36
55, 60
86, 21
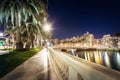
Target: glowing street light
1, 34
47, 27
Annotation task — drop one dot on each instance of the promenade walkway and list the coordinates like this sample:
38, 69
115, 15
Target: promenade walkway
50, 64
36, 68
3, 52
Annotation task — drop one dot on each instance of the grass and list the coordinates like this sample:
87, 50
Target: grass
13, 59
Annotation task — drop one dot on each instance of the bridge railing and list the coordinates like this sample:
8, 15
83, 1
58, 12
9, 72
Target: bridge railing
70, 68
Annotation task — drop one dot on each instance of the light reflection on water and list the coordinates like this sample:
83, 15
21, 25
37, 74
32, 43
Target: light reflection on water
109, 59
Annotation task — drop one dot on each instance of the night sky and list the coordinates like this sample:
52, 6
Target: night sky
75, 17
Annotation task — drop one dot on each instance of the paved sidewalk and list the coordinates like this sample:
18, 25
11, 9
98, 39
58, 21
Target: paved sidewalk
36, 68
4, 52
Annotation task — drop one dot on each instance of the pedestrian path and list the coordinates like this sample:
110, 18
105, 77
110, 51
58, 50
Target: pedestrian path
36, 68
3, 52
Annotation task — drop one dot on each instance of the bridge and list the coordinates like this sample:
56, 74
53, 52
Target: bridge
56, 65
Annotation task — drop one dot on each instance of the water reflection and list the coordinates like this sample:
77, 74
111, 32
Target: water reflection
117, 60
98, 57
109, 59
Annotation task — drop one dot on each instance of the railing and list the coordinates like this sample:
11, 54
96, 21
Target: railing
71, 68
87, 48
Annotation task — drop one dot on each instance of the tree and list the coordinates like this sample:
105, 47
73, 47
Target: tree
15, 13
29, 34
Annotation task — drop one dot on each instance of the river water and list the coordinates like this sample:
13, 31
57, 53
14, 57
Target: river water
110, 59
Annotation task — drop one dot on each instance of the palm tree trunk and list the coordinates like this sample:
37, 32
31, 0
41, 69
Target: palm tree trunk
32, 43
32, 40
19, 44
27, 47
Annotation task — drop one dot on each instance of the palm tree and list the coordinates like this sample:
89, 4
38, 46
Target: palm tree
14, 13
29, 34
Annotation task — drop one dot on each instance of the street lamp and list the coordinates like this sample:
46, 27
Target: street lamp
47, 27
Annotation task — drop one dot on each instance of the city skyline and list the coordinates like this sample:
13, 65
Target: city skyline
90, 33
72, 18
87, 40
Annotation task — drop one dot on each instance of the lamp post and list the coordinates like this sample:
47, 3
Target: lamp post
47, 29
